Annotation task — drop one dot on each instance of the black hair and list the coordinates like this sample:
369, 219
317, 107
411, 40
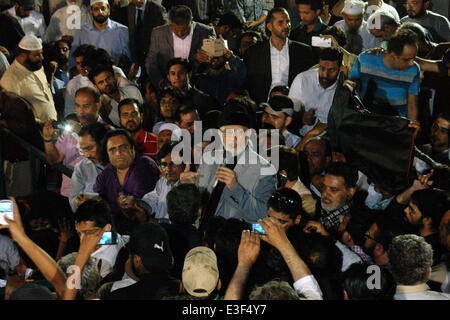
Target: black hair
187, 65
83, 50
400, 39
210, 232
129, 101
97, 131
417, 29
433, 203
99, 69
183, 203
315, 4
358, 224
331, 54
91, 91
97, 211
113, 133
283, 89
231, 20
355, 283
289, 161
287, 201
388, 229
97, 56
180, 15
337, 33
344, 170
271, 14
166, 149
185, 109
253, 34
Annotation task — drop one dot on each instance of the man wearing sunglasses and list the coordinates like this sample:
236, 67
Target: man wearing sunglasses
285, 205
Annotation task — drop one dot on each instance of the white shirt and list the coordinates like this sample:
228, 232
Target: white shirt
157, 198
108, 254
291, 139
369, 41
33, 24
307, 91
348, 256
182, 47
279, 61
309, 288
32, 86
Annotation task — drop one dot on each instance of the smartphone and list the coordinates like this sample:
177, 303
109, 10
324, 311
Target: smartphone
6, 210
108, 237
256, 227
320, 42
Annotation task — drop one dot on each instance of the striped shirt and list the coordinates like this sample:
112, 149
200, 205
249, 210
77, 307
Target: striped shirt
392, 86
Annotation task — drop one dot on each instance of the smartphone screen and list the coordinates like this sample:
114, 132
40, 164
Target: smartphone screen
108, 237
6, 210
256, 227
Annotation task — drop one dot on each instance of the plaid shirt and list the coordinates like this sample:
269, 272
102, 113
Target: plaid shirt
330, 220
359, 251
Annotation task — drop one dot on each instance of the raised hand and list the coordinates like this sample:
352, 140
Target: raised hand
226, 176
248, 248
187, 176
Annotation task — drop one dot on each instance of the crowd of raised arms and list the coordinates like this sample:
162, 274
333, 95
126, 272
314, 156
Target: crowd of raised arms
225, 150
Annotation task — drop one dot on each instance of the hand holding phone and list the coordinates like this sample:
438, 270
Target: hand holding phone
108, 238
6, 210
321, 42
256, 227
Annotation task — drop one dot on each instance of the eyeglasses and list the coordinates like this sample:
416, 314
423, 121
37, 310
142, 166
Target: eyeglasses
284, 199
64, 49
367, 235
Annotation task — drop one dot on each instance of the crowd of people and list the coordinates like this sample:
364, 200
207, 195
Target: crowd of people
226, 150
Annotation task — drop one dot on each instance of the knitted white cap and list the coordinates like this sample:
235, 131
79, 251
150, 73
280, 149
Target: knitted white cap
30, 43
353, 7
176, 131
95, 1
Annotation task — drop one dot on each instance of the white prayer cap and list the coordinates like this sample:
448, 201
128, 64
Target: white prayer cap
354, 7
31, 43
95, 1
176, 131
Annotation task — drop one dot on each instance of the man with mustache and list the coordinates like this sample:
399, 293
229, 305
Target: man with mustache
103, 33
438, 148
313, 91
418, 12
26, 78
104, 79
130, 117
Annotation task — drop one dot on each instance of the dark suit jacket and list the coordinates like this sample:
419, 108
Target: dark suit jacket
161, 49
259, 67
154, 15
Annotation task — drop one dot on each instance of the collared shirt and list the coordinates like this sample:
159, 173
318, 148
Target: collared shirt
182, 47
147, 143
330, 220
140, 179
62, 22
83, 178
33, 24
33, 87
418, 292
157, 198
107, 254
114, 39
348, 256
392, 86
125, 92
306, 90
360, 252
280, 64
368, 40
291, 139
142, 9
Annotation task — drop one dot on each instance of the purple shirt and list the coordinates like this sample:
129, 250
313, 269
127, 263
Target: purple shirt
140, 179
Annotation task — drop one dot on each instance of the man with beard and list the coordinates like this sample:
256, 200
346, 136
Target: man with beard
226, 72
278, 115
238, 179
438, 148
313, 91
275, 61
104, 79
438, 25
104, 33
32, 22
26, 78
358, 37
130, 117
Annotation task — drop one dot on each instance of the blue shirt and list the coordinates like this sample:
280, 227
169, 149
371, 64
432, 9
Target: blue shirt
114, 39
220, 86
392, 86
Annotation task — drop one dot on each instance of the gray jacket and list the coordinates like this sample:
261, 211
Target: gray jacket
161, 49
248, 198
